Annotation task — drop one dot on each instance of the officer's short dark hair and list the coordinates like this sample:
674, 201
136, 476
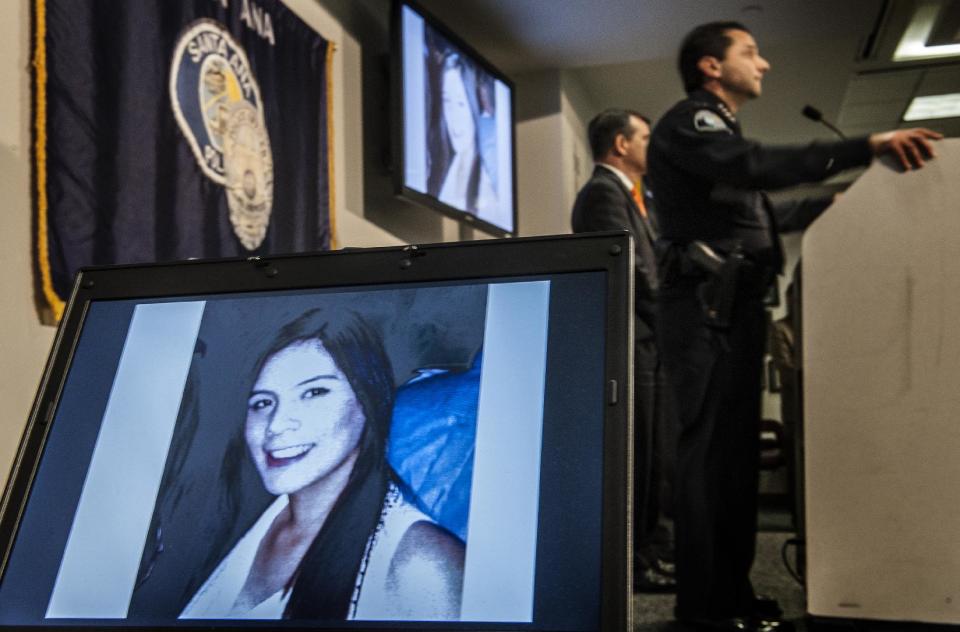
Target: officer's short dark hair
603, 129
707, 40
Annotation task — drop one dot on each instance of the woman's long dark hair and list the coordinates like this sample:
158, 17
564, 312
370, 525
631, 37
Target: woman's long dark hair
439, 148
324, 582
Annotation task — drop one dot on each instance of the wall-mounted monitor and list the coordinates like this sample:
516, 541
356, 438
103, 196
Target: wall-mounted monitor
454, 127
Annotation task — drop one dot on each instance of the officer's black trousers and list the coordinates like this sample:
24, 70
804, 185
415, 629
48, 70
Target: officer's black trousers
717, 383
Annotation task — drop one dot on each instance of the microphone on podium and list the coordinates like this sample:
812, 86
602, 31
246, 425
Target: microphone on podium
816, 115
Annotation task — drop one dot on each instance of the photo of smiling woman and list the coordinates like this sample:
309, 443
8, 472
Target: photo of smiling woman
461, 132
341, 540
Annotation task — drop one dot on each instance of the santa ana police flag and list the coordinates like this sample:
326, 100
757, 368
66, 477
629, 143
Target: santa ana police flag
174, 130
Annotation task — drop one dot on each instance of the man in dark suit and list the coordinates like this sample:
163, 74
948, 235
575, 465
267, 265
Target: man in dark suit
613, 199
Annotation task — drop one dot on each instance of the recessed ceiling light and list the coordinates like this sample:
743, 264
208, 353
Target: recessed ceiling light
933, 107
913, 44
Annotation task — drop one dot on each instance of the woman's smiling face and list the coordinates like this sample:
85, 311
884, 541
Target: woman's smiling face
456, 111
303, 418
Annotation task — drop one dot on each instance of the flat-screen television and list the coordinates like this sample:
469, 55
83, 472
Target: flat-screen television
454, 124
431, 437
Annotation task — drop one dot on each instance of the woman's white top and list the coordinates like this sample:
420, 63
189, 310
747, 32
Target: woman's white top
218, 595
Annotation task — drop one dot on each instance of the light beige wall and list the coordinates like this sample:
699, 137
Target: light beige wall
553, 159
577, 109
541, 191
24, 343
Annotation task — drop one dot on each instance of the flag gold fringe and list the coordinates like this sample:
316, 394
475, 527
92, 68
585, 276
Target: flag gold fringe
55, 303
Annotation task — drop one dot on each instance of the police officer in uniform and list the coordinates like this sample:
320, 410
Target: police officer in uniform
719, 255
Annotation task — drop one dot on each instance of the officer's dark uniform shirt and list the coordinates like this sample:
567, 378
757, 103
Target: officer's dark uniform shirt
708, 179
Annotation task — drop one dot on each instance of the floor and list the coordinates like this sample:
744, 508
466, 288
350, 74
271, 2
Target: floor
654, 613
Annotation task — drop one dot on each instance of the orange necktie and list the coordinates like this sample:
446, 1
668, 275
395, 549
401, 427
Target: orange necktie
638, 198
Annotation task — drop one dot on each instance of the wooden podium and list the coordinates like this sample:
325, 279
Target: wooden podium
881, 314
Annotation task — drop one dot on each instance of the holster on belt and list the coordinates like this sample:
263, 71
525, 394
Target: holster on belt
719, 291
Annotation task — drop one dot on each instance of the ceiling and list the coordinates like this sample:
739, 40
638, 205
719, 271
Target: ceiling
832, 54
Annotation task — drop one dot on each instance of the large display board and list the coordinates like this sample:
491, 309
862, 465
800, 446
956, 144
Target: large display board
881, 294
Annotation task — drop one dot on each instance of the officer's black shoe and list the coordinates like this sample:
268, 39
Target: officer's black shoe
665, 566
650, 580
766, 608
736, 624
714, 625
771, 624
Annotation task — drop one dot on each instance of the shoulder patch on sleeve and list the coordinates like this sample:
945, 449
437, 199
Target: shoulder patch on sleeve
709, 121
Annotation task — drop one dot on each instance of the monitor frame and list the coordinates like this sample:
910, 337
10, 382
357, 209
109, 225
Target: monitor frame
398, 120
611, 253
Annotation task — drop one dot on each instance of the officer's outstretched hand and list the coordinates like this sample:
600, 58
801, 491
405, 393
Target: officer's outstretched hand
911, 147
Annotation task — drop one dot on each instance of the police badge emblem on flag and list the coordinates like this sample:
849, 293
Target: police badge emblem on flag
235, 162
216, 101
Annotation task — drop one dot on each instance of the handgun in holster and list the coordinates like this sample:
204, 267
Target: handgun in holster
719, 291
